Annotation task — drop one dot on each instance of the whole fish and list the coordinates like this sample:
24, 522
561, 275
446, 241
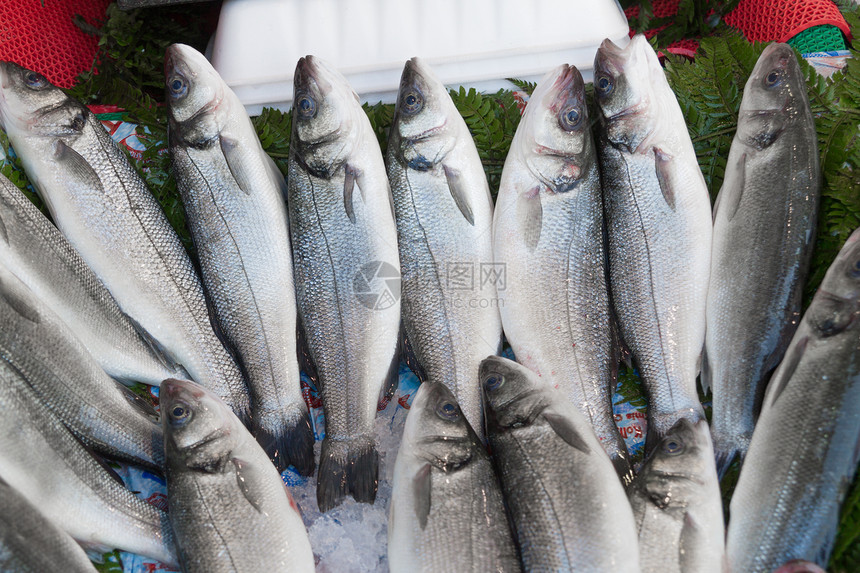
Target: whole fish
549, 236
43, 461
38, 254
658, 217
677, 504
31, 543
804, 451
447, 511
764, 230
569, 509
228, 505
234, 197
444, 218
104, 209
346, 271
48, 357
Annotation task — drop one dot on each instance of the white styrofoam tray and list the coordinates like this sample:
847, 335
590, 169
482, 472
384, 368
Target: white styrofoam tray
467, 42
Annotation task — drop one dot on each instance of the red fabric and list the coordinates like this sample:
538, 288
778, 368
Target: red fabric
781, 20
46, 39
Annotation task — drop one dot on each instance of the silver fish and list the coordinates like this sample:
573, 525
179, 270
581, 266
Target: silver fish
447, 511
31, 543
569, 509
677, 504
658, 217
234, 198
104, 209
43, 461
346, 271
804, 451
228, 505
45, 353
444, 217
764, 230
38, 254
549, 236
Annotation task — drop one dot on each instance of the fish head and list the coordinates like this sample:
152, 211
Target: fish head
325, 109
194, 93
774, 97
421, 132
437, 430
32, 106
513, 395
558, 146
623, 90
200, 431
679, 467
836, 306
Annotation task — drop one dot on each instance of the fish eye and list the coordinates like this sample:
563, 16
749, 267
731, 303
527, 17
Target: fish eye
306, 106
494, 382
604, 86
413, 102
855, 270
447, 410
178, 87
570, 118
773, 79
35, 80
673, 447
180, 413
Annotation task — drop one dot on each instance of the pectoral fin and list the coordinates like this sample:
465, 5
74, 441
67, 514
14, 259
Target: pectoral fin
246, 485
530, 217
459, 193
421, 489
78, 169
350, 182
565, 430
662, 163
160, 351
236, 163
14, 294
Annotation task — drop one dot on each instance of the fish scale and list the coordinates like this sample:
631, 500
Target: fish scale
659, 228
105, 210
237, 215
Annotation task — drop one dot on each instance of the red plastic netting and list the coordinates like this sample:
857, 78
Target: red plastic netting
46, 39
780, 20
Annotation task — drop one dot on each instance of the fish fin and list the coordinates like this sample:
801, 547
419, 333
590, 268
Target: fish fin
138, 403
785, 372
389, 385
691, 534
350, 182
728, 203
15, 295
80, 171
705, 378
459, 193
236, 159
306, 361
411, 358
724, 461
662, 162
246, 485
421, 486
530, 217
275, 174
561, 425
287, 438
347, 466
98, 459
161, 353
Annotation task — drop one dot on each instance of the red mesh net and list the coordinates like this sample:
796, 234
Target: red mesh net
780, 20
46, 39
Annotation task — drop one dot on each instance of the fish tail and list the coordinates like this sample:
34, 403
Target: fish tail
288, 439
725, 457
347, 466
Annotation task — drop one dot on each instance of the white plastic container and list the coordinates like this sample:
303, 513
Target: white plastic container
467, 42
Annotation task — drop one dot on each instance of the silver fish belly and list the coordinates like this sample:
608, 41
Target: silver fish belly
346, 271
658, 219
549, 236
444, 217
234, 197
804, 450
764, 230
105, 210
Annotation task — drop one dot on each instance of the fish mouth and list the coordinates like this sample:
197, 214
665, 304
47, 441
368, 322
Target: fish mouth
426, 134
635, 109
